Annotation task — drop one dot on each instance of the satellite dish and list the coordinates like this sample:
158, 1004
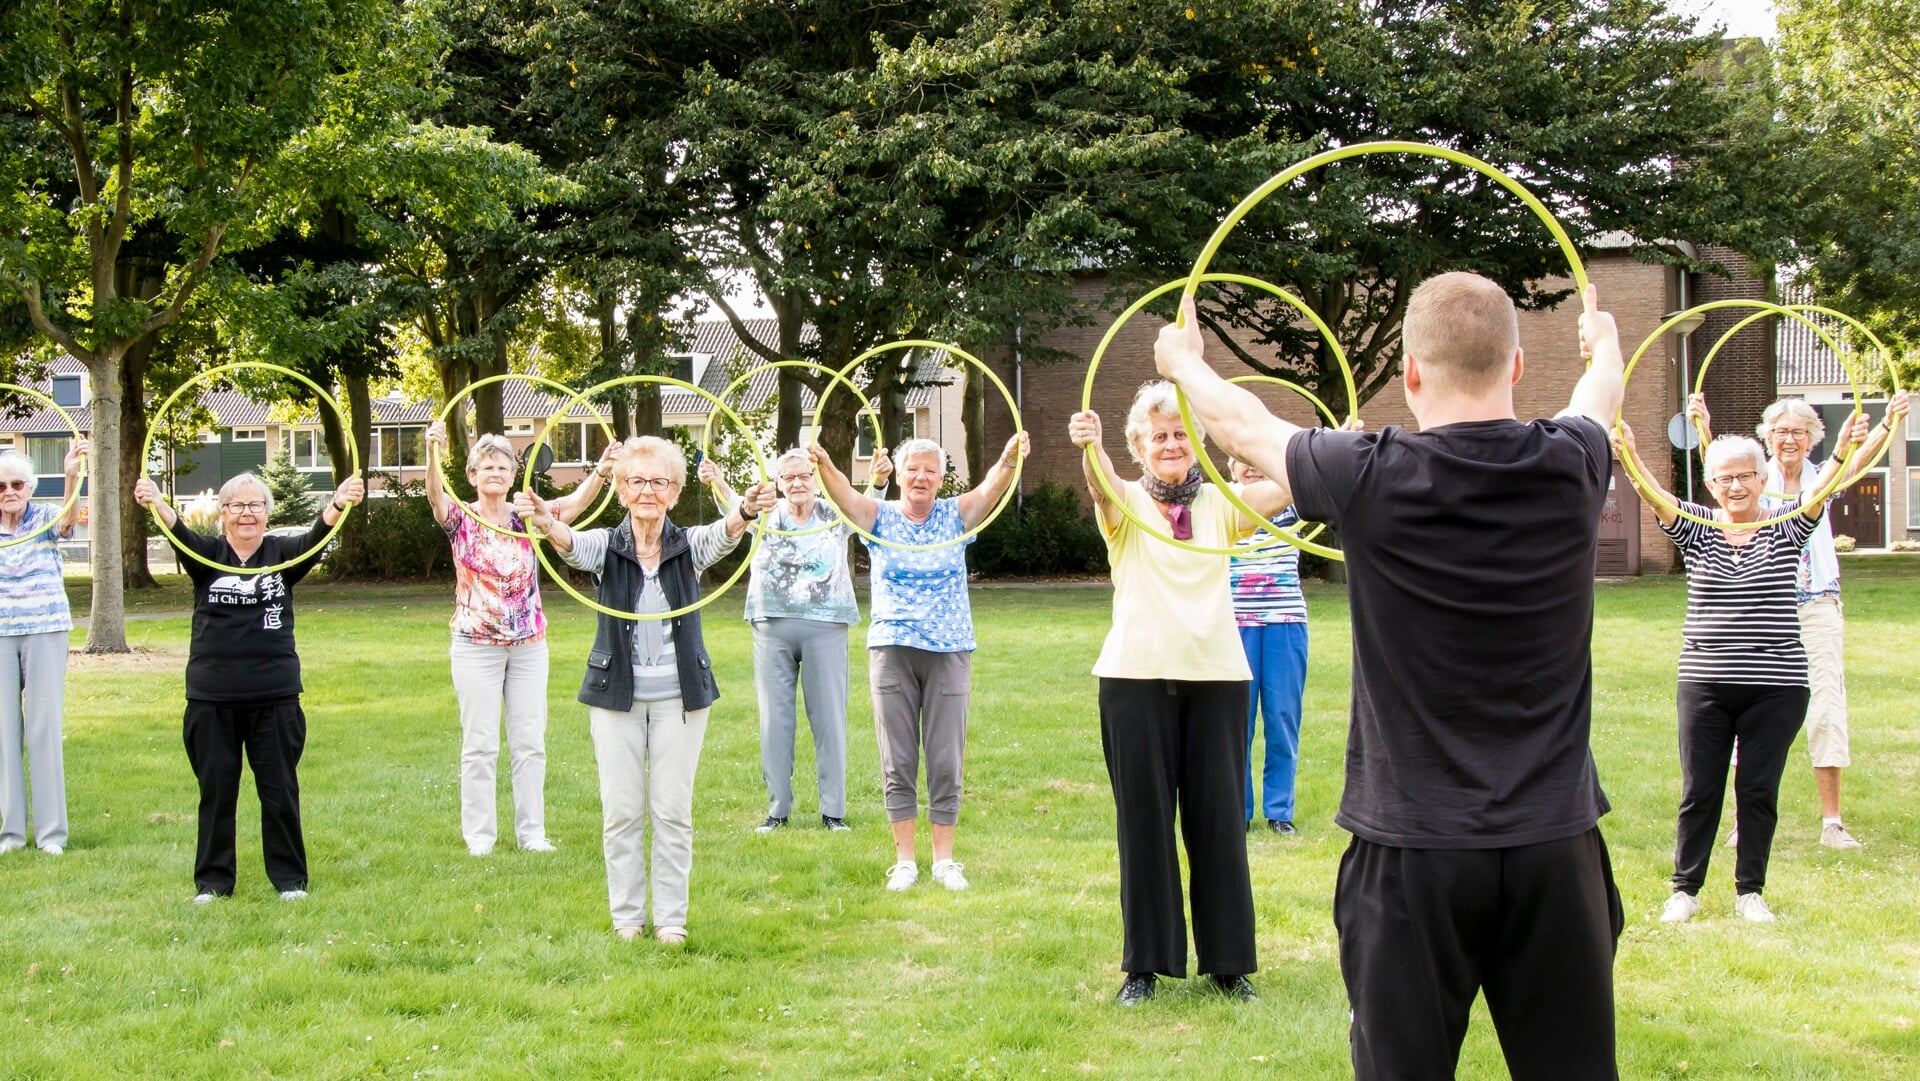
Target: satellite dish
542, 461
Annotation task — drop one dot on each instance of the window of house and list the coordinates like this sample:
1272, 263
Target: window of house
1913, 499
519, 427
399, 447
863, 436
577, 442
66, 390
49, 455
308, 448
1913, 427
249, 435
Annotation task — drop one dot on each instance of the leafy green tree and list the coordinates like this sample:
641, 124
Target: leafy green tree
293, 502
1850, 75
139, 138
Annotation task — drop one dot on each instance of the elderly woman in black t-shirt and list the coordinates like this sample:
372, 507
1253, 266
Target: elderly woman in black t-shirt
243, 677
1743, 673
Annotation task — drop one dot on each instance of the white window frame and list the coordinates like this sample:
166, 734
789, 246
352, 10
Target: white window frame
316, 446
249, 435
80, 388
1913, 489
1913, 427
518, 427
379, 441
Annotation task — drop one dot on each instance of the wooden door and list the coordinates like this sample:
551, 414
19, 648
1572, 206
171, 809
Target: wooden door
1860, 512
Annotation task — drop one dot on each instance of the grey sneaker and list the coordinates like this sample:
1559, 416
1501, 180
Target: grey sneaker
1835, 835
1752, 908
834, 825
772, 823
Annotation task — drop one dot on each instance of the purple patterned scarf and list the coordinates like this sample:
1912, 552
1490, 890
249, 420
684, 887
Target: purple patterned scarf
1178, 497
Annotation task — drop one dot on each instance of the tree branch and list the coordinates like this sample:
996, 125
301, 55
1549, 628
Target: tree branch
123, 168
194, 273
30, 292
752, 344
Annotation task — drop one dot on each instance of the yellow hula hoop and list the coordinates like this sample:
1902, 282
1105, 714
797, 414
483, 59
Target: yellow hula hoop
1700, 380
1099, 475
1644, 485
1012, 407
706, 436
447, 411
73, 496
559, 576
1295, 171
346, 425
1300, 530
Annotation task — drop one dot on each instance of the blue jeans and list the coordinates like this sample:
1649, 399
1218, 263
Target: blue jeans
1277, 653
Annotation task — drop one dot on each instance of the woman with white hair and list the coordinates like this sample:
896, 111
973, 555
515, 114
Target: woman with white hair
243, 676
499, 650
801, 607
34, 622
920, 639
1791, 429
649, 682
1743, 672
1174, 690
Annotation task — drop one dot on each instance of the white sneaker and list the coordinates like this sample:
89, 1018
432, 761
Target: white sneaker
671, 936
947, 873
539, 845
293, 895
12, 844
1835, 835
1733, 838
1680, 908
56, 850
480, 850
902, 875
1752, 908
205, 898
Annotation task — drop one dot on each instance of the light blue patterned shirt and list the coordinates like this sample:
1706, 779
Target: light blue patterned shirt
33, 597
920, 597
803, 577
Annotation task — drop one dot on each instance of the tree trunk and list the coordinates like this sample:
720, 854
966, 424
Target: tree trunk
107, 623
896, 420
973, 417
134, 572
360, 418
790, 320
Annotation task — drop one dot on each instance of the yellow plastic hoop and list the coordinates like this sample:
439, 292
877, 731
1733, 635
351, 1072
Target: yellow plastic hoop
353, 452
1281, 537
73, 496
706, 436
1012, 406
1300, 168
447, 411
560, 576
1645, 486
1301, 530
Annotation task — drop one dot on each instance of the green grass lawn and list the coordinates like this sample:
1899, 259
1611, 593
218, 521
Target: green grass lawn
413, 959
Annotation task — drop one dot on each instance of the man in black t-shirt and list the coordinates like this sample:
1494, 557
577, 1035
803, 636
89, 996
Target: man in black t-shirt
1477, 862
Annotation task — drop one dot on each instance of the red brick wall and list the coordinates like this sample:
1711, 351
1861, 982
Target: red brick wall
1741, 377
1638, 294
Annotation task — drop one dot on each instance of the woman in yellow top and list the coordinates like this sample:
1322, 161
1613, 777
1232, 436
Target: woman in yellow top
1173, 702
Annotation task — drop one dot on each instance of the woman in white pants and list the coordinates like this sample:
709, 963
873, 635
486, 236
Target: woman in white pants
499, 651
34, 622
649, 682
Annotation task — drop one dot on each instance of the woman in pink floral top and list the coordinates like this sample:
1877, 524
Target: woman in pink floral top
499, 650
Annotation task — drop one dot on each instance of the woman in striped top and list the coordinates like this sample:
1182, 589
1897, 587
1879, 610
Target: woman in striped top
1743, 672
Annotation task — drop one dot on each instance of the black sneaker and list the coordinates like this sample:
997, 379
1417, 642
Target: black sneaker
1137, 989
1234, 987
1280, 827
834, 825
770, 825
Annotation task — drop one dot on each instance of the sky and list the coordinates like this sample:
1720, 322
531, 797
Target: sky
1743, 18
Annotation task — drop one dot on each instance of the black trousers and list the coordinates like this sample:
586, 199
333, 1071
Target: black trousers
1535, 927
272, 735
1177, 745
1715, 717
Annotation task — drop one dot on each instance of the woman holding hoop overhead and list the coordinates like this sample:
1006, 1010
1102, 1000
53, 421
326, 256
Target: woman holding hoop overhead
800, 604
1743, 672
1174, 702
243, 676
649, 682
1791, 428
499, 650
34, 622
920, 641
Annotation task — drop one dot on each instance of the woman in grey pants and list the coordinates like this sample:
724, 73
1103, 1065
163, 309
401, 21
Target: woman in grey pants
800, 603
33, 654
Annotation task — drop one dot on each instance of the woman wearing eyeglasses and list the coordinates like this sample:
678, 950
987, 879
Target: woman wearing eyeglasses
1791, 429
243, 677
1743, 673
499, 650
649, 683
34, 622
800, 604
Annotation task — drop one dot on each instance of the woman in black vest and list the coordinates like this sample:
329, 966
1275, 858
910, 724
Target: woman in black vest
649, 683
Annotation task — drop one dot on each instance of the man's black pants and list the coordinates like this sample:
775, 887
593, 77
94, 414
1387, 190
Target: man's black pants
1714, 717
1535, 927
272, 735
1180, 745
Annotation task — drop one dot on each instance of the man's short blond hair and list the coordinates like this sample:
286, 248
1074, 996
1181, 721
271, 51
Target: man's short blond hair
1463, 330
